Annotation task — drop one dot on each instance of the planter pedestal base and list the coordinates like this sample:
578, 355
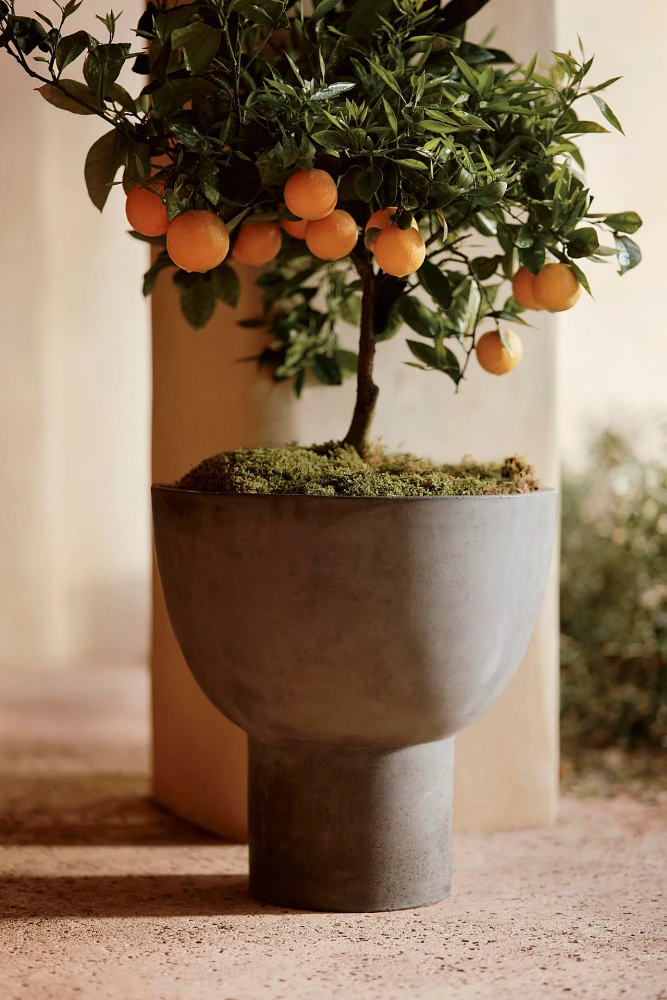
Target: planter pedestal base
350, 828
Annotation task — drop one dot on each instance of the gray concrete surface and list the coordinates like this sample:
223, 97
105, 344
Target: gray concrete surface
104, 897
348, 636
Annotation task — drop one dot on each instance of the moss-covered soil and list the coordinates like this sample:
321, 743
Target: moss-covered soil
335, 470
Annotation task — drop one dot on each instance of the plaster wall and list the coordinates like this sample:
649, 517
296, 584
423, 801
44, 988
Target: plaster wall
74, 407
613, 349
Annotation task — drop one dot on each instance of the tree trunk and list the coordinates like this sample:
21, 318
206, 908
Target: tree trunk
367, 391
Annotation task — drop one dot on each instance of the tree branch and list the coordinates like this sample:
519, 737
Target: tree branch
367, 392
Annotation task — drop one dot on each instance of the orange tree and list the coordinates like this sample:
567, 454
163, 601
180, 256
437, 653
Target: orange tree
364, 151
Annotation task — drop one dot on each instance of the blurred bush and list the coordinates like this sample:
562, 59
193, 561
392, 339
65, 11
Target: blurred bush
614, 601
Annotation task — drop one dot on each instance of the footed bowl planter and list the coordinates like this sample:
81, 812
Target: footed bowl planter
351, 637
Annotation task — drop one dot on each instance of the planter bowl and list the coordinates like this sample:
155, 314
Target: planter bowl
351, 637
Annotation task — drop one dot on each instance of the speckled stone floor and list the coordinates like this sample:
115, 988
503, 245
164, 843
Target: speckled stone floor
104, 897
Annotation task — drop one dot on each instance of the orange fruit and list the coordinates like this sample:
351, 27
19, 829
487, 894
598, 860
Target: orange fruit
333, 237
257, 243
295, 229
399, 251
145, 211
311, 194
197, 240
523, 284
383, 218
557, 287
494, 357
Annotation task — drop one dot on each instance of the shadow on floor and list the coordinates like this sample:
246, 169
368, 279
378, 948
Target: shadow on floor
32, 897
91, 809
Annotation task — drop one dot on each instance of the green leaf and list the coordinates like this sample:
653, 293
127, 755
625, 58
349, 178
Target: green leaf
174, 95
199, 42
198, 302
424, 353
603, 86
119, 95
323, 7
436, 284
151, 274
103, 161
330, 139
155, 241
484, 224
624, 222
327, 370
413, 164
370, 236
386, 319
70, 48
608, 113
226, 285
264, 12
524, 238
347, 361
386, 76
103, 65
466, 72
419, 317
581, 128
66, 100
533, 257
334, 90
488, 194
581, 277
391, 117
629, 254
583, 242
26, 32
368, 182
484, 267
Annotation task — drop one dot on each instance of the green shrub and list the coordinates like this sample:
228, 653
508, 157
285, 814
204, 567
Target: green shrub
614, 601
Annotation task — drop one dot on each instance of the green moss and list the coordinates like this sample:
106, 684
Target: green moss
335, 470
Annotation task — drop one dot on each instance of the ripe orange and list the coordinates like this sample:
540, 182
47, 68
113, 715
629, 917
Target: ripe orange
333, 237
494, 357
197, 240
295, 229
557, 287
145, 211
399, 251
311, 194
383, 218
257, 243
523, 289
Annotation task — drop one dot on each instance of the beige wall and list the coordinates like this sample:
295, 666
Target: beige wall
74, 407
613, 351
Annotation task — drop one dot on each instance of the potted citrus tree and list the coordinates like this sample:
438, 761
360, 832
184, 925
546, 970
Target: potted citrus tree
351, 610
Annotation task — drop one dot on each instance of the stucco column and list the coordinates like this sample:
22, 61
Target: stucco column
74, 403
204, 402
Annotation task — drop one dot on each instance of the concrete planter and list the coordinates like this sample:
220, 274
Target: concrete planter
351, 638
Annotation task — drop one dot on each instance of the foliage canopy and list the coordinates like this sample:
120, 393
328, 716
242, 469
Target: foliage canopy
393, 101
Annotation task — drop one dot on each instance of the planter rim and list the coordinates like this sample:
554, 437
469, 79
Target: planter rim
169, 488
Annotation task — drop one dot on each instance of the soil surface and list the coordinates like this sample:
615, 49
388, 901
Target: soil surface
105, 897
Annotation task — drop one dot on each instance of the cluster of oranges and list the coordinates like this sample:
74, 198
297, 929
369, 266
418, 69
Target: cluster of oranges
556, 288
199, 240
